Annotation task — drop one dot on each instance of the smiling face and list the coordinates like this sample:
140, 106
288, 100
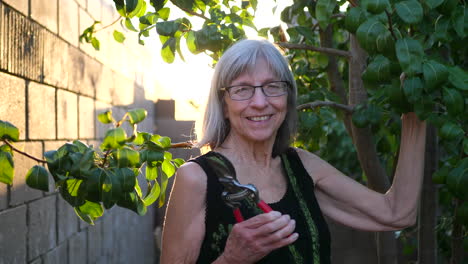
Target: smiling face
258, 118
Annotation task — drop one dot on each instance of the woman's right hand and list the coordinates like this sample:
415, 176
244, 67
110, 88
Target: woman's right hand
251, 240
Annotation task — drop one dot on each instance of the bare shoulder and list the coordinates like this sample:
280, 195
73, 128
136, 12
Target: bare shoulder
315, 166
191, 174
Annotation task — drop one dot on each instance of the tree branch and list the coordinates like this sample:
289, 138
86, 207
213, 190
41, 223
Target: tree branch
390, 25
187, 144
23, 153
329, 51
346, 108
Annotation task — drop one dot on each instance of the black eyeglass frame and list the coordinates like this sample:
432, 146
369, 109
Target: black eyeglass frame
227, 89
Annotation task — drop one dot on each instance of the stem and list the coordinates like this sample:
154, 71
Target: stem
346, 108
330, 51
23, 153
104, 160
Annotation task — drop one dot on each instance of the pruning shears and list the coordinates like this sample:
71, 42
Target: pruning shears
234, 192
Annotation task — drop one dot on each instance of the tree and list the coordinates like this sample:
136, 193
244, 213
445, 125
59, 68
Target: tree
371, 63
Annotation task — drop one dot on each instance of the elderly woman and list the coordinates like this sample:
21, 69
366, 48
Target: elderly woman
250, 121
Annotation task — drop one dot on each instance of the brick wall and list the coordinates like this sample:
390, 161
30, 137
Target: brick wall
51, 88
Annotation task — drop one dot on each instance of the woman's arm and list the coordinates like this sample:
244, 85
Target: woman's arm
184, 224
352, 204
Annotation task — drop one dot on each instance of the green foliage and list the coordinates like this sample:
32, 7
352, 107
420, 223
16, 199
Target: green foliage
92, 181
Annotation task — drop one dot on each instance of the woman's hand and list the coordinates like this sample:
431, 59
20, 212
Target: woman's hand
251, 240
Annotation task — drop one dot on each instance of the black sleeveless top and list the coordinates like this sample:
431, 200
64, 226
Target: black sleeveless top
313, 244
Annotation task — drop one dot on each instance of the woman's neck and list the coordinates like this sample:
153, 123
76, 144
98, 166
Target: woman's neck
238, 149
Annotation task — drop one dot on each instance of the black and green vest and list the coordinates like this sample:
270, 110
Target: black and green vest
313, 244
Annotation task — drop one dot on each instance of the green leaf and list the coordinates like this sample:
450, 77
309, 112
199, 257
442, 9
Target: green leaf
459, 78
386, 44
133, 202
440, 176
396, 97
433, 3
153, 194
359, 117
374, 114
167, 28
306, 32
73, 191
178, 162
442, 29
137, 115
457, 180
368, 32
8, 131
191, 42
460, 21
435, 74
164, 13
378, 70
112, 188
119, 36
375, 6
129, 25
168, 50
153, 156
141, 138
95, 43
465, 145
135, 8
168, 168
7, 170
38, 178
120, 6
127, 157
162, 196
354, 18
410, 11
451, 131
106, 117
114, 138
410, 54
94, 185
447, 7
126, 178
89, 211
151, 172
454, 101
413, 88
323, 12
165, 142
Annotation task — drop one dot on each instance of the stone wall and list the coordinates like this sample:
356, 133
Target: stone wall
51, 88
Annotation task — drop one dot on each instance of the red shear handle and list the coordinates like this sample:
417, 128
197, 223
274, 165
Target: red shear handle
238, 215
264, 206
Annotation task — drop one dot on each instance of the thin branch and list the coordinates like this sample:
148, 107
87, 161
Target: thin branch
187, 144
330, 51
346, 108
390, 25
353, 3
338, 15
23, 153
107, 26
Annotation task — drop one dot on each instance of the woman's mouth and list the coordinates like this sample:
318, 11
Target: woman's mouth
259, 118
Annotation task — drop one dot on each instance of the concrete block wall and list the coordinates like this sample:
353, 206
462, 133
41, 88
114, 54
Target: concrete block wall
51, 87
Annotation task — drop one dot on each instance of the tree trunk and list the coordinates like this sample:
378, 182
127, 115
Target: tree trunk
367, 154
427, 242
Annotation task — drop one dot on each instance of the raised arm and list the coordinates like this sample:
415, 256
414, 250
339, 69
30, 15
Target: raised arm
353, 204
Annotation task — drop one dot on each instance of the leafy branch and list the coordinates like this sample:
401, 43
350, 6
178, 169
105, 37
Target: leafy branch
93, 180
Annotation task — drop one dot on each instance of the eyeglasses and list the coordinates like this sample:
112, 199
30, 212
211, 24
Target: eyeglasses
245, 92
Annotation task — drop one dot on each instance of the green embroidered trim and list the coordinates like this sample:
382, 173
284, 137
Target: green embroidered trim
218, 236
305, 210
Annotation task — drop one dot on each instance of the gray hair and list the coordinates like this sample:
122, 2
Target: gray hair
240, 58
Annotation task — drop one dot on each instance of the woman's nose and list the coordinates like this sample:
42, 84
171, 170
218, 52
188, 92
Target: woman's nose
259, 99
